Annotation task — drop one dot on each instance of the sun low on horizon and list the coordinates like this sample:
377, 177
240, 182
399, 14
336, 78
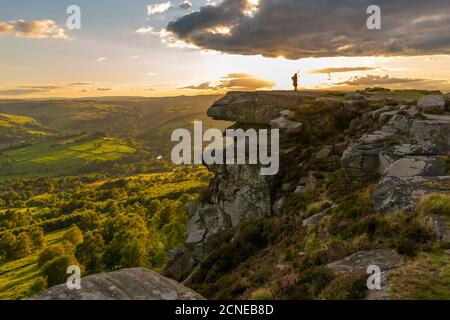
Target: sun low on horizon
153, 48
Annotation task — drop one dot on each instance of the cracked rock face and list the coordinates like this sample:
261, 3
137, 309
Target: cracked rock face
407, 154
359, 261
238, 193
403, 193
126, 284
386, 260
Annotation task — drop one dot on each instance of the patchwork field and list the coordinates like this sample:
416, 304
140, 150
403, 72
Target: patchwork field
59, 156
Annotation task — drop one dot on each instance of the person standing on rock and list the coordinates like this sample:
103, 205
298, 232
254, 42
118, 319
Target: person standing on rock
295, 80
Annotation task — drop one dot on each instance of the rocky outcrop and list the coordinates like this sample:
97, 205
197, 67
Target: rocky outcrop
404, 153
432, 103
359, 261
316, 218
386, 260
126, 284
239, 193
407, 154
254, 107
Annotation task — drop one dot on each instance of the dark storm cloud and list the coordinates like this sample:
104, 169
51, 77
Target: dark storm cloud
321, 28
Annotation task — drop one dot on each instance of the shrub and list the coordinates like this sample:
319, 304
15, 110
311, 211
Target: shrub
73, 235
350, 286
307, 285
40, 284
56, 269
261, 294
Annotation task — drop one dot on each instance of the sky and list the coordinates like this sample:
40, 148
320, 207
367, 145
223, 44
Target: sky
178, 47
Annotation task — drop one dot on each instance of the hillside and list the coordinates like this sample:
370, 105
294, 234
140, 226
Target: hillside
145, 119
47, 209
363, 180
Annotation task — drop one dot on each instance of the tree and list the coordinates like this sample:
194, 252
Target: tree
50, 253
56, 269
37, 237
8, 244
89, 253
129, 246
24, 245
90, 220
73, 235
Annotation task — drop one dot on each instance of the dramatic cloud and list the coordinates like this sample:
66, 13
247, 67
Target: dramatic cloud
235, 81
321, 28
339, 70
386, 80
185, 5
158, 8
37, 29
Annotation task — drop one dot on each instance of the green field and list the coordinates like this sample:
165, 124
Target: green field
16, 119
16, 277
59, 156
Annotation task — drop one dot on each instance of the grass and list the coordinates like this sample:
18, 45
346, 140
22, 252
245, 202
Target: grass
16, 277
17, 119
60, 156
424, 278
435, 203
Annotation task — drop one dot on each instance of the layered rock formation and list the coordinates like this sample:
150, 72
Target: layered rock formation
239, 193
408, 154
405, 154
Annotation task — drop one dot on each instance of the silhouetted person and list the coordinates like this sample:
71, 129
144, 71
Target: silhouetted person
295, 81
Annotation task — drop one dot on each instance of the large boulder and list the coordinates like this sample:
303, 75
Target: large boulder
432, 103
403, 193
403, 136
126, 284
254, 107
237, 193
360, 261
